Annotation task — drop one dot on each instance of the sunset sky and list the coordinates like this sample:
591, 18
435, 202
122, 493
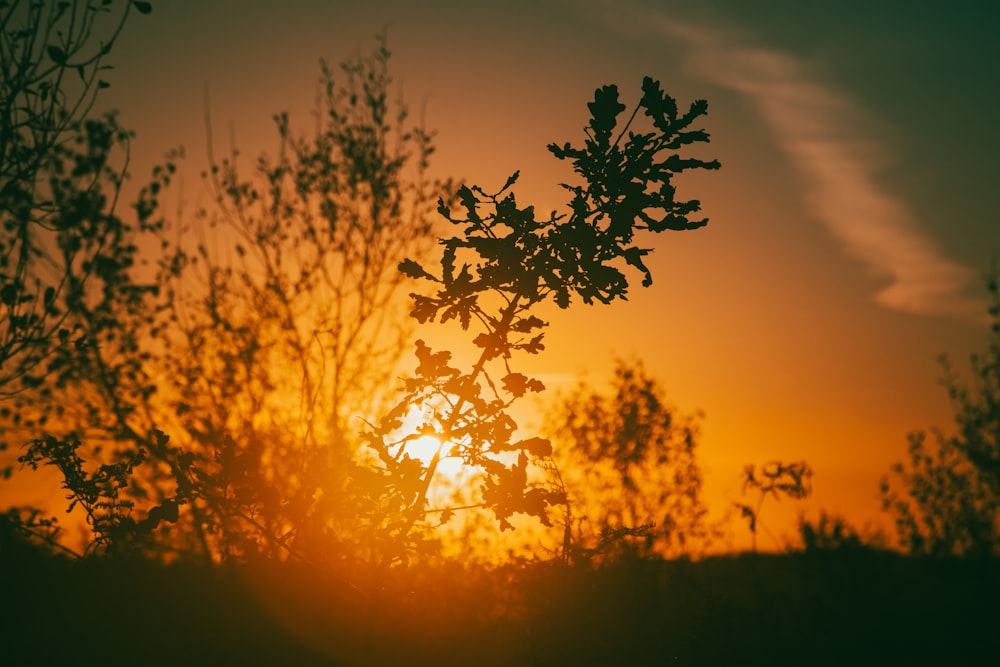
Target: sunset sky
851, 223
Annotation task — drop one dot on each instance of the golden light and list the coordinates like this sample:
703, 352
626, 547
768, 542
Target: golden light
451, 474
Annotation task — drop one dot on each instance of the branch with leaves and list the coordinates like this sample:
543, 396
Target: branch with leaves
261, 338
505, 262
52, 60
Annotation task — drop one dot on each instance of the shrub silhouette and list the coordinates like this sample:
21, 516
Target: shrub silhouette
945, 498
162, 408
60, 172
227, 387
628, 460
828, 533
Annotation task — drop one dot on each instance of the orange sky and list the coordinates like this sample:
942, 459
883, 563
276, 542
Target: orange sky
850, 222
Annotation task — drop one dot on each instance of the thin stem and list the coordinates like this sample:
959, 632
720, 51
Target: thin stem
416, 507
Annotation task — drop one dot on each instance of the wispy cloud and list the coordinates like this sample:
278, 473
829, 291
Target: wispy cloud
825, 136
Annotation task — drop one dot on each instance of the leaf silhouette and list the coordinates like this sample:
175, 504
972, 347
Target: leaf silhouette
604, 111
540, 447
659, 106
57, 55
410, 268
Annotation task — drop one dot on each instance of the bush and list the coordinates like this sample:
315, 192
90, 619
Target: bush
945, 498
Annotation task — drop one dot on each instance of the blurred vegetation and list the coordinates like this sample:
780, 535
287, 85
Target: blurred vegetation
63, 249
773, 479
207, 414
628, 461
60, 175
833, 533
945, 497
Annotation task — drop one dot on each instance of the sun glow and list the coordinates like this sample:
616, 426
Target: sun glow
451, 474
426, 447
455, 512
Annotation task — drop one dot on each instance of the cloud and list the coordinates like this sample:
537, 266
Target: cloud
825, 137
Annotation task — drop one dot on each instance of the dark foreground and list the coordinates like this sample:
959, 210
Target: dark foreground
835, 608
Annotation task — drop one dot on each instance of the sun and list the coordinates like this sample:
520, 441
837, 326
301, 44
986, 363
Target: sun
451, 473
455, 512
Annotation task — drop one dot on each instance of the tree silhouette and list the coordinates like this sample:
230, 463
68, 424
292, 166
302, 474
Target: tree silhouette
629, 464
494, 274
945, 498
277, 318
308, 308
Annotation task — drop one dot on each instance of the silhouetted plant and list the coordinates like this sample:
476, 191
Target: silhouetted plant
945, 498
828, 533
773, 479
101, 493
58, 230
61, 243
494, 274
29, 528
262, 339
93, 252
297, 323
630, 467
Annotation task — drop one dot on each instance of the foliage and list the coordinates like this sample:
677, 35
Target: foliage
774, 478
494, 274
628, 459
829, 533
296, 328
945, 498
99, 493
207, 413
92, 252
62, 248
58, 182
277, 318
